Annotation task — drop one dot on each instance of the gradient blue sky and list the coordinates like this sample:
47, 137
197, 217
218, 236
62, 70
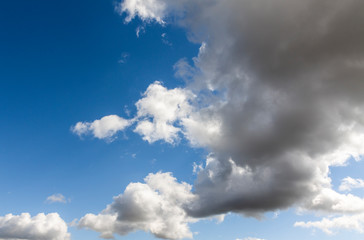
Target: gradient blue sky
62, 62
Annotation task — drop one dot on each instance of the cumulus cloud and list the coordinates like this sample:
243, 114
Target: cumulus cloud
104, 128
56, 198
329, 225
275, 96
40, 227
160, 110
155, 206
285, 103
348, 183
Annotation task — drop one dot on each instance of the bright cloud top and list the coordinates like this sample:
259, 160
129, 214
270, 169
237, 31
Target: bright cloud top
276, 104
39, 227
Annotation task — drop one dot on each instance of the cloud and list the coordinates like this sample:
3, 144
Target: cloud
155, 206
39, 227
250, 238
348, 183
146, 10
56, 198
124, 57
328, 225
278, 102
165, 39
274, 95
159, 110
139, 30
104, 128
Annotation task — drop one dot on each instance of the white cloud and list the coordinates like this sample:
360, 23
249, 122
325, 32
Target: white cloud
147, 10
104, 128
160, 110
139, 30
348, 183
330, 201
56, 198
329, 225
39, 227
155, 206
250, 238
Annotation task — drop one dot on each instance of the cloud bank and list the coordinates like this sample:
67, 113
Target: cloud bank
39, 227
275, 95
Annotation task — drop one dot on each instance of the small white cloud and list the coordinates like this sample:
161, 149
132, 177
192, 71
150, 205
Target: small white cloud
151, 10
159, 110
139, 30
104, 128
327, 225
39, 227
197, 167
56, 198
250, 238
348, 183
165, 39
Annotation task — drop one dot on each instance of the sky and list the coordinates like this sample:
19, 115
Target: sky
181, 119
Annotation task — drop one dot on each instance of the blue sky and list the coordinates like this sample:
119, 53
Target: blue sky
202, 85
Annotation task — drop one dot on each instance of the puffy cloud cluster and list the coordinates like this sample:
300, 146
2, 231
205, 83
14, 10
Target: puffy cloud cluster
275, 94
155, 206
39, 227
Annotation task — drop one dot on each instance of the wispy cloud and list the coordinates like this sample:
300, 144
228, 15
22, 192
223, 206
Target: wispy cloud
348, 183
56, 198
124, 57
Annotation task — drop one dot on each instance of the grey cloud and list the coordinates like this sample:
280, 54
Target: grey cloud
291, 76
277, 100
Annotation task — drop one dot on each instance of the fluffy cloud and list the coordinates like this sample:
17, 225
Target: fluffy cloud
146, 10
155, 206
349, 183
56, 198
328, 225
159, 110
39, 227
275, 95
104, 128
